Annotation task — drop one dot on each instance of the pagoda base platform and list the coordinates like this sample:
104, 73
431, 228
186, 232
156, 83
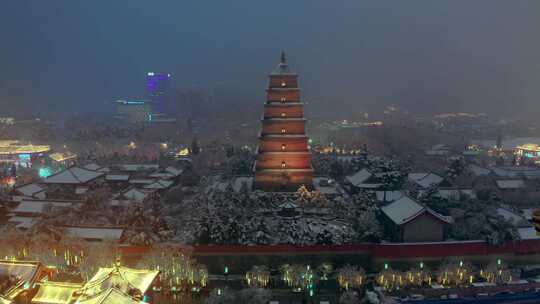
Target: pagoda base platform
283, 180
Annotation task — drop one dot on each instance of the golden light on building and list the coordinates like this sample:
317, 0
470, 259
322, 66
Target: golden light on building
183, 152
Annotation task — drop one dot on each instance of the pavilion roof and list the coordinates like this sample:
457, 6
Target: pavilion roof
109, 296
120, 277
56, 293
4, 300
27, 273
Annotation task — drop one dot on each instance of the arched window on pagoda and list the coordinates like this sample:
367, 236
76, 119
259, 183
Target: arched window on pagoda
283, 147
283, 99
283, 84
283, 114
283, 165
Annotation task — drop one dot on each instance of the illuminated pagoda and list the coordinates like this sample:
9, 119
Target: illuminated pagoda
283, 157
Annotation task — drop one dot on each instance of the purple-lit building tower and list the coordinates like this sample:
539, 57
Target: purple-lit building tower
157, 85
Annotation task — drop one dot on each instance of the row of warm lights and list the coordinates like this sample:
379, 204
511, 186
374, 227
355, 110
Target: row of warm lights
450, 274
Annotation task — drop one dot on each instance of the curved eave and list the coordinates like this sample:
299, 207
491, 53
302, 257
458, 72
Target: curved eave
283, 119
282, 136
282, 104
285, 170
284, 152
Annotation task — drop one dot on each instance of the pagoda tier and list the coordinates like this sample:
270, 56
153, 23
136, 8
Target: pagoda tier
283, 158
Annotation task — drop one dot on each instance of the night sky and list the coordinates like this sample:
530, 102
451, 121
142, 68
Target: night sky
457, 55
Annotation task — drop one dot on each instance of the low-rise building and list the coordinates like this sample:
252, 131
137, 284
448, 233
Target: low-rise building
414, 222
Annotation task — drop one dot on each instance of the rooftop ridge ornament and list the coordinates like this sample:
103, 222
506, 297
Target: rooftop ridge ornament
283, 58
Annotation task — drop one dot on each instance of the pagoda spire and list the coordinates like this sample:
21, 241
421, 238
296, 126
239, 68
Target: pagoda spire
283, 58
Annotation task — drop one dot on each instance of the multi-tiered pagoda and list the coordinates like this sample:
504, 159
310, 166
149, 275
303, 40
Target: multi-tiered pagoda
283, 157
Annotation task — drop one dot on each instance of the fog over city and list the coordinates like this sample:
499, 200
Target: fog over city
269, 152
424, 56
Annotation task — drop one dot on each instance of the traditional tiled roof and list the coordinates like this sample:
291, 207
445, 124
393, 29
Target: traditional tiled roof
138, 167
4, 300
159, 185
38, 206
29, 189
359, 177
27, 273
92, 166
425, 180
110, 296
73, 175
120, 277
56, 293
407, 209
117, 177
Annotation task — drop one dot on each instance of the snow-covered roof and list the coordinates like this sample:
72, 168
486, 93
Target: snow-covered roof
406, 209
120, 277
453, 193
27, 272
143, 181
22, 221
29, 189
104, 169
133, 194
425, 180
478, 171
38, 206
527, 233
510, 183
138, 167
359, 177
95, 233
117, 177
92, 166
288, 205
56, 293
111, 295
174, 171
388, 196
159, 185
516, 172
516, 219
73, 175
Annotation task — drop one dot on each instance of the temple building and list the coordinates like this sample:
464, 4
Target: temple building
283, 157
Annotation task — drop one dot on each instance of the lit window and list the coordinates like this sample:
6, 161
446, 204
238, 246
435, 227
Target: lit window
283, 147
283, 84
283, 131
283, 114
283, 99
283, 164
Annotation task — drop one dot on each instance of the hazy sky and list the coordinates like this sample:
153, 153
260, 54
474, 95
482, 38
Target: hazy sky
351, 55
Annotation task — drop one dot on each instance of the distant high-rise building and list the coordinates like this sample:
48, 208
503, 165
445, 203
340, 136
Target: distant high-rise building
283, 157
157, 86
